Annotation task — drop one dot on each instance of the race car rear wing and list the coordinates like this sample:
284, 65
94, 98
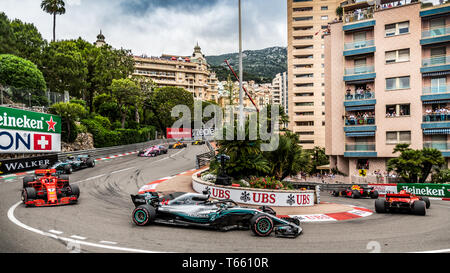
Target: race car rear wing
398, 195
44, 171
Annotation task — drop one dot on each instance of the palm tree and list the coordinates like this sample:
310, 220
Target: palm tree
55, 7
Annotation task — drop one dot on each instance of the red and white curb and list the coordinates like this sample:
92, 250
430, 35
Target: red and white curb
15, 175
355, 213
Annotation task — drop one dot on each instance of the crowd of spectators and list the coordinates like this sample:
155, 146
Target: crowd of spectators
360, 93
438, 114
360, 118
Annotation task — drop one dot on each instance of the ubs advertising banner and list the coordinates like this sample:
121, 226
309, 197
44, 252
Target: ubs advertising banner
24, 131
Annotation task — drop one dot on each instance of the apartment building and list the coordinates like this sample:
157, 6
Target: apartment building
386, 74
189, 72
280, 91
307, 23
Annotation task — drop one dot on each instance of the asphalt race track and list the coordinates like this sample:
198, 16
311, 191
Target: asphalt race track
101, 221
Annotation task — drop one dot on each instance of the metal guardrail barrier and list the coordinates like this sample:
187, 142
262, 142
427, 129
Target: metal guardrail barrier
202, 159
102, 152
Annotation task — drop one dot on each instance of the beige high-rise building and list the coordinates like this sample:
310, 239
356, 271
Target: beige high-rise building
189, 72
387, 73
307, 22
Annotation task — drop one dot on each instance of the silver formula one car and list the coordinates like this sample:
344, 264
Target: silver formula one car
192, 209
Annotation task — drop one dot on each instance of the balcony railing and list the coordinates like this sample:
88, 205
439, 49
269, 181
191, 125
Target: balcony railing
440, 145
358, 45
439, 60
359, 121
436, 117
360, 147
436, 89
439, 31
363, 96
359, 70
362, 14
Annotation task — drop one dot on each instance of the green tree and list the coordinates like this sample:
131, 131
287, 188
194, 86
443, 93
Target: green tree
20, 73
163, 101
415, 165
317, 158
53, 7
29, 43
126, 93
7, 40
65, 69
288, 159
69, 113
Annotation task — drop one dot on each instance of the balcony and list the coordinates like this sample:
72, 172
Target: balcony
435, 64
435, 9
435, 35
359, 73
435, 94
442, 146
360, 150
360, 47
436, 121
358, 15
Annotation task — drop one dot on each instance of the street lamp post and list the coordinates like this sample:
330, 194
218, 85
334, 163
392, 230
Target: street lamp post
241, 93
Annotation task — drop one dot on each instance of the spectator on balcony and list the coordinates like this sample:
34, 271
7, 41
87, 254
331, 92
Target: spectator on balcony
349, 95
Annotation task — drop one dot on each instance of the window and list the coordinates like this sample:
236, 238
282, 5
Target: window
397, 83
324, 8
304, 66
304, 123
438, 51
307, 18
398, 137
306, 141
304, 84
397, 110
304, 94
310, 75
324, 17
396, 29
307, 37
397, 56
308, 113
303, 9
362, 164
303, 28
359, 36
307, 133
304, 104
304, 47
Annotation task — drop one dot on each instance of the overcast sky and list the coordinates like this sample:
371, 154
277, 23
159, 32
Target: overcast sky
154, 27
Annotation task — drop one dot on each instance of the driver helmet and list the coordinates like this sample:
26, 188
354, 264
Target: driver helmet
403, 192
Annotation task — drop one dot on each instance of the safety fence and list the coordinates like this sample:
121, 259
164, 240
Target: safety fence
202, 160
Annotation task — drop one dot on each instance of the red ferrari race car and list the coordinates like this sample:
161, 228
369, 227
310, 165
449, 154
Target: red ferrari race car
357, 191
403, 201
47, 189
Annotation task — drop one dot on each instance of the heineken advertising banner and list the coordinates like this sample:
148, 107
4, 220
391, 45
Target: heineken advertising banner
29, 132
431, 190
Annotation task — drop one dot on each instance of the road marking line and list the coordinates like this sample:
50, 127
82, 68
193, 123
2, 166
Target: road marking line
13, 219
78, 237
108, 242
55, 231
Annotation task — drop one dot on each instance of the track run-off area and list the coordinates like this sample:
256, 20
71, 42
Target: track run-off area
101, 221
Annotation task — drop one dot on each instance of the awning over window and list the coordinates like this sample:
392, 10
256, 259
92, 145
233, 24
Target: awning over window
360, 108
436, 131
359, 134
435, 101
359, 81
432, 74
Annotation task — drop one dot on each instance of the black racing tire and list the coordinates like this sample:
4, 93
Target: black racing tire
427, 201
419, 208
28, 179
75, 190
90, 162
68, 169
380, 206
374, 195
28, 194
356, 194
143, 215
170, 146
335, 193
261, 225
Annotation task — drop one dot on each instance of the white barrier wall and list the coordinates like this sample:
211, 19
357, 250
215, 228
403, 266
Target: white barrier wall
383, 188
256, 196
